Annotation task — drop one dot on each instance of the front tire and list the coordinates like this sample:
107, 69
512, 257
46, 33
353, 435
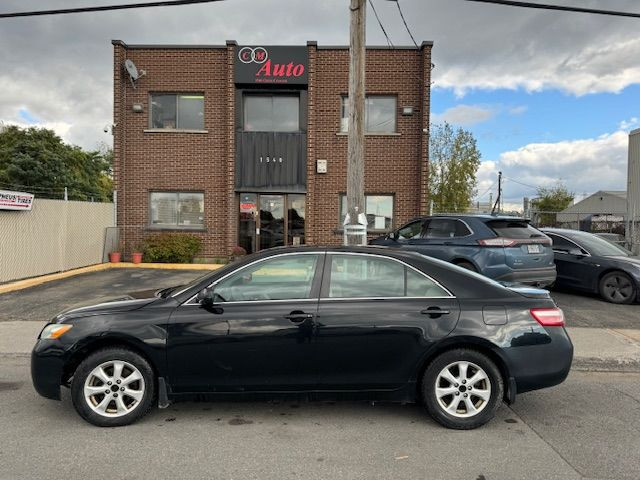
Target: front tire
617, 287
113, 387
462, 389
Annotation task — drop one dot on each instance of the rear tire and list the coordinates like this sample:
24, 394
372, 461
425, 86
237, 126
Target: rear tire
113, 387
617, 287
462, 389
467, 265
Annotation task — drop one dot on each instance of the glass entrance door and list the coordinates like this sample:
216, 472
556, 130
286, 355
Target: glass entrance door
267, 221
271, 232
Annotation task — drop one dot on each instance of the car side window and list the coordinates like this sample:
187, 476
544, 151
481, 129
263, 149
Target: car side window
288, 277
362, 276
446, 228
408, 232
562, 244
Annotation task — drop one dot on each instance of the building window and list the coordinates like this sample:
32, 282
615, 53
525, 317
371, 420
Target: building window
271, 113
183, 111
379, 114
177, 210
378, 208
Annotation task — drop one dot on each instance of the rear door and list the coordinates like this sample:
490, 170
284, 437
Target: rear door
376, 317
524, 246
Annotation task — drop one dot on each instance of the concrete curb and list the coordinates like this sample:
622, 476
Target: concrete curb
32, 282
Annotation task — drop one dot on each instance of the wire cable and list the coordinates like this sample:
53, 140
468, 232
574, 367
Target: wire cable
561, 8
389, 42
405, 24
104, 8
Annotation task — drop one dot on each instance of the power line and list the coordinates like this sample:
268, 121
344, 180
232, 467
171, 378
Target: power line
389, 42
562, 8
520, 183
487, 191
405, 24
104, 8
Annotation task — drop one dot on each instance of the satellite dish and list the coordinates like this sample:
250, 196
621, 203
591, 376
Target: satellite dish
133, 72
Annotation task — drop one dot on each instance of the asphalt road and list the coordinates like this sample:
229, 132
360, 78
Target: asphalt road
42, 302
588, 427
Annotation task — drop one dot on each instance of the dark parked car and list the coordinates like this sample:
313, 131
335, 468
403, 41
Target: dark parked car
367, 322
590, 263
506, 249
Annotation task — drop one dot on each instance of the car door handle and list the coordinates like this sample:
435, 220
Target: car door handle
299, 317
435, 311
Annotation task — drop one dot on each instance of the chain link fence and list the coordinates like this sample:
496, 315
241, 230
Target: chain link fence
611, 226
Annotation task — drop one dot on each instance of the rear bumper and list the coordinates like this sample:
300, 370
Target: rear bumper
543, 365
530, 276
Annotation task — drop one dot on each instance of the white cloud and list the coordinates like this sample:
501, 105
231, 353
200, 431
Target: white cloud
629, 124
464, 115
584, 165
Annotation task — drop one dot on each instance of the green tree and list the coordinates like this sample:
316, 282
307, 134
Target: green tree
454, 159
550, 200
37, 160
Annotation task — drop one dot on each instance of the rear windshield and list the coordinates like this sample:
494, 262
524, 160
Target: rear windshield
514, 229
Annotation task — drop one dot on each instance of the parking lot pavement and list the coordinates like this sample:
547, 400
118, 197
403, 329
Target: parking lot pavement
584, 310
42, 302
585, 428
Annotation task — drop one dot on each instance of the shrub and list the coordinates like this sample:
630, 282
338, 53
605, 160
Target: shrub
171, 248
238, 251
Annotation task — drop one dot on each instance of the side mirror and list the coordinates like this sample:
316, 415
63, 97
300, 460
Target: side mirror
392, 236
204, 297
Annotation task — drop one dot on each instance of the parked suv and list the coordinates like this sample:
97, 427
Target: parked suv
506, 249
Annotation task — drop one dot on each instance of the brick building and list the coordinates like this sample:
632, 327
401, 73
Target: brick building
247, 145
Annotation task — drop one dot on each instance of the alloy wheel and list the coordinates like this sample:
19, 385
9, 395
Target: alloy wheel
114, 388
617, 288
463, 389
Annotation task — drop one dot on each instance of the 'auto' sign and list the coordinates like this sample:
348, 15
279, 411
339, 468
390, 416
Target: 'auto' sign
15, 200
272, 65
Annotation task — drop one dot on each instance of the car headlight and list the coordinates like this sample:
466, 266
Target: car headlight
54, 330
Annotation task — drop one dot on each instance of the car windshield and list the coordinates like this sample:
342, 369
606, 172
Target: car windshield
599, 246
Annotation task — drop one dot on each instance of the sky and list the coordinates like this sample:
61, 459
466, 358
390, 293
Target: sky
549, 96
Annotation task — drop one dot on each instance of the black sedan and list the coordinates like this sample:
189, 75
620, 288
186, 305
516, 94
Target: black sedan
589, 263
365, 322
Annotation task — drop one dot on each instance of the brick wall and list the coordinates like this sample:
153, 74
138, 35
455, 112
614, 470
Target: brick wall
204, 162
394, 164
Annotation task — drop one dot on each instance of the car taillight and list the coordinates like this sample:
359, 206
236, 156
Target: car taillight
497, 242
548, 317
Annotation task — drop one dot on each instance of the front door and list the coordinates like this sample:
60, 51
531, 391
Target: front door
271, 220
258, 334
376, 317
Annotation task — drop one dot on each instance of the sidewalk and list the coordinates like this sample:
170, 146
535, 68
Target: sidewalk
596, 349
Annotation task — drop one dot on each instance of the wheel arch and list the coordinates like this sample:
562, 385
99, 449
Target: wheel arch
473, 343
108, 341
457, 260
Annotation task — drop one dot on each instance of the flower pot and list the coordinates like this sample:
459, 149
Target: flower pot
136, 257
114, 257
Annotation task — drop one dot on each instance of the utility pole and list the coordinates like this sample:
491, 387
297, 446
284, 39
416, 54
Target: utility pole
499, 199
355, 231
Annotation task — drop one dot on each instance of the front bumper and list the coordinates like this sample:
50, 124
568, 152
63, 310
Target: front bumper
530, 276
47, 367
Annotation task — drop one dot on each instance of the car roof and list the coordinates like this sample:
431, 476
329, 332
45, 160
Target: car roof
564, 231
480, 216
